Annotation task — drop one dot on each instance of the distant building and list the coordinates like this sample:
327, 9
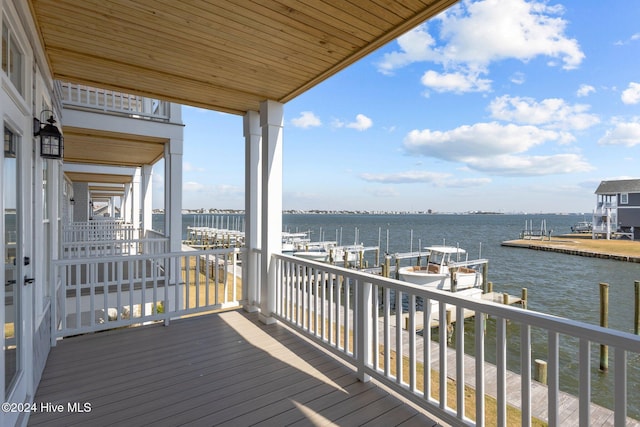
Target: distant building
617, 212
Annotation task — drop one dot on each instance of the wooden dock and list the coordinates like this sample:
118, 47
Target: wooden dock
567, 403
619, 250
496, 297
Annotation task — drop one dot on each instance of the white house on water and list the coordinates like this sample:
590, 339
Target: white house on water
89, 102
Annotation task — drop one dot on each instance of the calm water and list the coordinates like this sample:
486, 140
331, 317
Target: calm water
559, 284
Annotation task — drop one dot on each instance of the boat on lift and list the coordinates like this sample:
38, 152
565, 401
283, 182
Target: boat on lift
447, 270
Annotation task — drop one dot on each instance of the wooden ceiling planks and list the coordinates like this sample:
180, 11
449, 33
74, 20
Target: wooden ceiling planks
226, 55
106, 148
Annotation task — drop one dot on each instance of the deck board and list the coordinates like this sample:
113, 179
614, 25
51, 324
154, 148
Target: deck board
218, 369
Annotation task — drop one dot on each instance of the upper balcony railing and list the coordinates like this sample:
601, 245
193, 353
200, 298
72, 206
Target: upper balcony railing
136, 106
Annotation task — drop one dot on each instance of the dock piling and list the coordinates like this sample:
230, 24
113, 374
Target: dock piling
604, 322
523, 303
636, 317
449, 328
540, 371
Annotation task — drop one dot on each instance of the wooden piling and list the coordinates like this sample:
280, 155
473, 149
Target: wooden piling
604, 322
397, 269
377, 257
346, 259
523, 303
636, 317
489, 287
387, 266
540, 372
454, 279
449, 328
485, 275
505, 298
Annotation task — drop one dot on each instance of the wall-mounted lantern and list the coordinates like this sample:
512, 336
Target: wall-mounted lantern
9, 144
51, 140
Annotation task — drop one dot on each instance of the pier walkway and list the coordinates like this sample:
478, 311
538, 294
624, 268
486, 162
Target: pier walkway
620, 250
568, 404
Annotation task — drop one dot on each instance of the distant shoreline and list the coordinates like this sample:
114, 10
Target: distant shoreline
364, 212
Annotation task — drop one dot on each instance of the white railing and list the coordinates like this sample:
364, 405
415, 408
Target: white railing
353, 314
119, 247
95, 294
112, 101
98, 230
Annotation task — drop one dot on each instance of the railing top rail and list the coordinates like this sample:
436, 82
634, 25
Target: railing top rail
93, 98
593, 333
164, 255
117, 241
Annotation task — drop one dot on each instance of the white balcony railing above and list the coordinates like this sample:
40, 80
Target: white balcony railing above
82, 96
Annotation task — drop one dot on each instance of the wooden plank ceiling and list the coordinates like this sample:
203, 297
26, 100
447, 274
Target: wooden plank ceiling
224, 55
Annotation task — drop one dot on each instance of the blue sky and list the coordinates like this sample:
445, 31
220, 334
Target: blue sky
494, 105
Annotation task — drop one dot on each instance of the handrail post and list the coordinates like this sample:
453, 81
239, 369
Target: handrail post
364, 328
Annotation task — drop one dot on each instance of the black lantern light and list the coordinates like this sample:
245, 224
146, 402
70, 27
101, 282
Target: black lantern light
9, 144
51, 140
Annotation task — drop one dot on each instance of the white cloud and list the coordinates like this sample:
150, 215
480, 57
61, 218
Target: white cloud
509, 165
362, 123
464, 183
306, 120
384, 192
518, 78
631, 95
438, 179
585, 90
220, 190
474, 34
191, 186
552, 113
404, 177
482, 140
457, 82
490, 30
633, 38
496, 149
188, 167
416, 45
627, 134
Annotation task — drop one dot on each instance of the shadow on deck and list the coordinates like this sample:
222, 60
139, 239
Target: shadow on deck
218, 369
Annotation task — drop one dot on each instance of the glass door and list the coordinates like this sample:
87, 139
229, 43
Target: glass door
12, 263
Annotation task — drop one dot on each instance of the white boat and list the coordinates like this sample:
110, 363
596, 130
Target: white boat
292, 242
582, 227
328, 252
445, 267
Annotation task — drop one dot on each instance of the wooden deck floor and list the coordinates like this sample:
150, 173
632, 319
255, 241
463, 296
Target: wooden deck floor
220, 369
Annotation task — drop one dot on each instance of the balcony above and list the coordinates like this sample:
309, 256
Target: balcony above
90, 115
109, 101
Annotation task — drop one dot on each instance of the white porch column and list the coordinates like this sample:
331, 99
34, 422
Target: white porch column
173, 194
271, 120
252, 206
135, 202
125, 205
146, 191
